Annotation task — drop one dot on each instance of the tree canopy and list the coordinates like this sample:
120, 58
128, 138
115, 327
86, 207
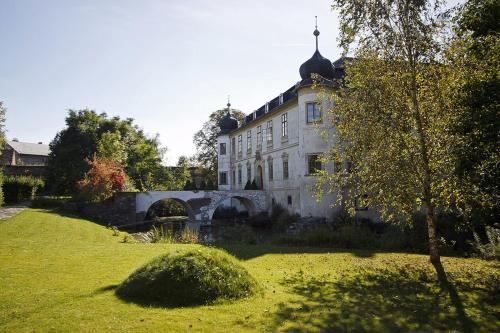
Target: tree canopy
475, 56
391, 118
87, 134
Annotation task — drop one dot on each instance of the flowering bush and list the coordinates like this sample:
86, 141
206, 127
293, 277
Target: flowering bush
104, 178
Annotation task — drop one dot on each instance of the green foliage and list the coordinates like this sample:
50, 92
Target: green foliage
248, 185
205, 141
88, 133
166, 207
391, 118
1, 188
260, 220
280, 218
188, 186
236, 234
210, 185
474, 54
254, 185
112, 147
197, 277
189, 236
161, 234
2, 145
21, 188
491, 248
49, 202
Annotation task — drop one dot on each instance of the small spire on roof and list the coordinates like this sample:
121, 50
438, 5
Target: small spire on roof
228, 103
316, 32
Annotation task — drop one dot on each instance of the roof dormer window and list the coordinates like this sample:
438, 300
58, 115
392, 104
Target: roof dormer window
280, 99
266, 107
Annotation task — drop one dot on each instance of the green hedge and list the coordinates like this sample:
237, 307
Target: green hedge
20, 188
1, 188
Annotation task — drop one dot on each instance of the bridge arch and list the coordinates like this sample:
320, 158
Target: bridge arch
201, 205
246, 202
189, 210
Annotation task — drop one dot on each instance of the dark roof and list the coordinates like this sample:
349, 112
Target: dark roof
291, 93
26, 148
319, 65
227, 123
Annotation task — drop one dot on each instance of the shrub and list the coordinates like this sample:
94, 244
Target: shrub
162, 234
196, 277
237, 234
260, 220
281, 219
1, 189
104, 178
248, 185
166, 207
49, 202
189, 236
491, 248
21, 188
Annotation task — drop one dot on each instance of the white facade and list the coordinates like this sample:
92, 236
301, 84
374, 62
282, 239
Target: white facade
278, 145
273, 142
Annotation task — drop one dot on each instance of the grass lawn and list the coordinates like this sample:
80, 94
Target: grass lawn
58, 274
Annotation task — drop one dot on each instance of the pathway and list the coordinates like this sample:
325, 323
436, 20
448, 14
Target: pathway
9, 211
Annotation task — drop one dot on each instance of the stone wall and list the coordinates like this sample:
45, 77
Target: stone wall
118, 211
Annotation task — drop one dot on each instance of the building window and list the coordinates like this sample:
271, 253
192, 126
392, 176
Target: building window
270, 168
270, 131
280, 99
222, 149
313, 164
222, 178
285, 169
239, 144
284, 125
313, 113
289, 199
249, 140
239, 175
233, 146
234, 177
249, 173
259, 135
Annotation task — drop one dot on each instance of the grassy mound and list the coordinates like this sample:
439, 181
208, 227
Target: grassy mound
197, 277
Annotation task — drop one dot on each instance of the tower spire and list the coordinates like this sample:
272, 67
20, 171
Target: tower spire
316, 32
228, 103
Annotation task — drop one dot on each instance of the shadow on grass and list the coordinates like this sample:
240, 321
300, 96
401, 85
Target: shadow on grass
246, 252
402, 299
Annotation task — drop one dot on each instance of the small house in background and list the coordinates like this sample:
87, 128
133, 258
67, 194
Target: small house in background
24, 158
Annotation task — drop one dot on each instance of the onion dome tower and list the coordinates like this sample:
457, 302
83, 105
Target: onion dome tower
228, 122
317, 64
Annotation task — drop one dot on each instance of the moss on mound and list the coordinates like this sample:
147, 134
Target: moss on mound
196, 277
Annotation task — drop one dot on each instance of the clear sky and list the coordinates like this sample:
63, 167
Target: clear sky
167, 64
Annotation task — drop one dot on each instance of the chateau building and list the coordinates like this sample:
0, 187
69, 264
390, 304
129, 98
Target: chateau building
279, 144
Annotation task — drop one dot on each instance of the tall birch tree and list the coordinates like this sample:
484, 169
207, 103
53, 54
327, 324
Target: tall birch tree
391, 117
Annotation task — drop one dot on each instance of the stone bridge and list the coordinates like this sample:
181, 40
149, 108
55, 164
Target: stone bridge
201, 205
